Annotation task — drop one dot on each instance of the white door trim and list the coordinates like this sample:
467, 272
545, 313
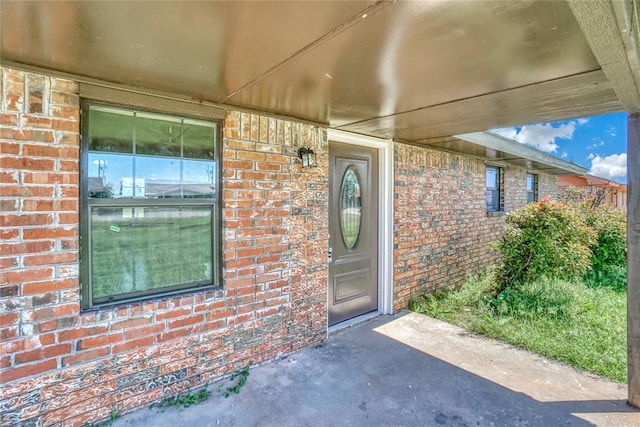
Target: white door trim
385, 211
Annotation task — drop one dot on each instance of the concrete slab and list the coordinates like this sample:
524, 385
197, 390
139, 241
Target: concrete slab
408, 370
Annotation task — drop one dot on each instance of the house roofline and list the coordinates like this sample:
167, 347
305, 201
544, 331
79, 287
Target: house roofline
521, 151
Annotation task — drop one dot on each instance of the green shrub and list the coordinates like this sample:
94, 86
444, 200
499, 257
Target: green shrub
610, 248
543, 239
607, 276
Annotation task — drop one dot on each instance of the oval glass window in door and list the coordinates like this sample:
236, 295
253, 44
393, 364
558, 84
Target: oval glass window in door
350, 207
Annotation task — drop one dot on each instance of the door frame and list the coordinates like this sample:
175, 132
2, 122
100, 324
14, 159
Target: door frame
385, 210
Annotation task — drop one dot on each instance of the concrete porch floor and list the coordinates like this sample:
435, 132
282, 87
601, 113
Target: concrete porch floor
408, 370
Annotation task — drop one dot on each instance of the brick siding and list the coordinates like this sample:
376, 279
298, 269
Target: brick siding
60, 366
441, 228
547, 186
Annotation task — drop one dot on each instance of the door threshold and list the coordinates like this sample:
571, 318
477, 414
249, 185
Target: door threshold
353, 321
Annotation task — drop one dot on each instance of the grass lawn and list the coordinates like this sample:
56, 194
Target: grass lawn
165, 247
582, 326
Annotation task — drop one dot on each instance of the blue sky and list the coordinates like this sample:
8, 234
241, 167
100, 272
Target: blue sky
598, 143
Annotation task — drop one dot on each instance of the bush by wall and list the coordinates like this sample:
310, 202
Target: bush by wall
610, 248
544, 239
609, 253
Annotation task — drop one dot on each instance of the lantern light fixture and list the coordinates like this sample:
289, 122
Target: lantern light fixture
308, 157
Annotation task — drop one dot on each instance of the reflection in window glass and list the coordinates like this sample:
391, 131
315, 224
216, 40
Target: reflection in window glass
160, 176
111, 130
492, 178
198, 178
493, 189
137, 249
350, 208
532, 187
153, 149
198, 140
151, 221
106, 172
158, 135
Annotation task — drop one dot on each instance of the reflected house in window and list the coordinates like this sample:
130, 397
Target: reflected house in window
170, 189
130, 187
164, 189
97, 189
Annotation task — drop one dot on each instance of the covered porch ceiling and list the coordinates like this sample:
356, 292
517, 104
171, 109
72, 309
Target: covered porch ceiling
415, 71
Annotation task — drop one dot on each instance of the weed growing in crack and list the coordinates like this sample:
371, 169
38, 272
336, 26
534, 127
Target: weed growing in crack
114, 415
234, 384
182, 401
238, 379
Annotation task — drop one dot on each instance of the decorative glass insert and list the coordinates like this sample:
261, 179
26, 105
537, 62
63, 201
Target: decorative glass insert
350, 207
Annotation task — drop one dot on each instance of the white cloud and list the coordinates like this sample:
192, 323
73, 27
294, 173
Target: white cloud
583, 121
596, 145
591, 156
542, 136
613, 166
564, 155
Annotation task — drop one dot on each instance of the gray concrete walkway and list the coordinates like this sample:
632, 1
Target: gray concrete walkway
408, 370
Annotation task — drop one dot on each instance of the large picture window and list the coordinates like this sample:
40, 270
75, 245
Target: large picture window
150, 209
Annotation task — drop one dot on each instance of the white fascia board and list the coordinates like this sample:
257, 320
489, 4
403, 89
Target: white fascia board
505, 145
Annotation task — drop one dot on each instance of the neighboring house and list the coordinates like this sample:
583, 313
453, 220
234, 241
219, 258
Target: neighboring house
158, 228
600, 191
95, 187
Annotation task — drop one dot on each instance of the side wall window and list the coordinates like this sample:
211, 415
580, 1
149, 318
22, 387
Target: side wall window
494, 194
150, 204
532, 187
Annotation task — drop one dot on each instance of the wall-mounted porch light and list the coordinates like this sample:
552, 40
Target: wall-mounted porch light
308, 157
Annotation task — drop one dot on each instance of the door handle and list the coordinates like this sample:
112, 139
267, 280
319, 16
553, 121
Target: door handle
330, 254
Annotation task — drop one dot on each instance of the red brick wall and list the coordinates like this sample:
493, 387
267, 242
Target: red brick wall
441, 228
61, 366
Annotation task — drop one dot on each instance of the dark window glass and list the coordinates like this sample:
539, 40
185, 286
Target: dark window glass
494, 194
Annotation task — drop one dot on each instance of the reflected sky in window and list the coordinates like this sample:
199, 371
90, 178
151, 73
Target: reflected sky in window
135, 154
